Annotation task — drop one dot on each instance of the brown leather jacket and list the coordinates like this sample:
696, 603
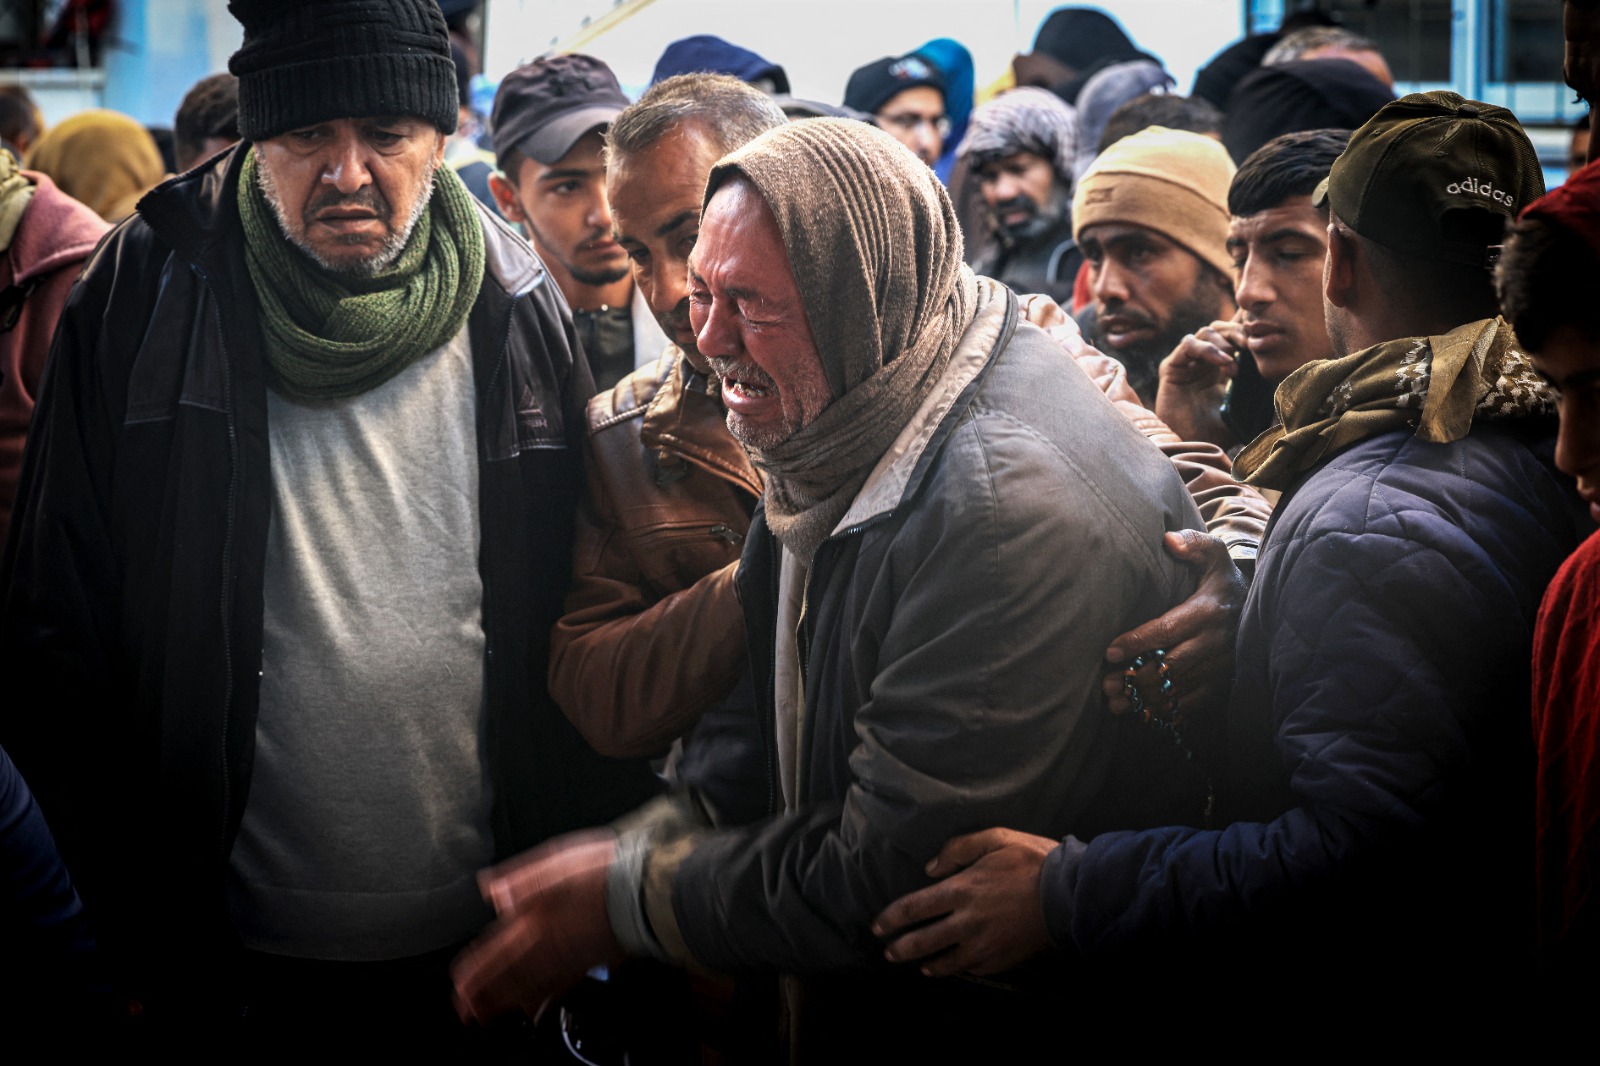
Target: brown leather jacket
645, 645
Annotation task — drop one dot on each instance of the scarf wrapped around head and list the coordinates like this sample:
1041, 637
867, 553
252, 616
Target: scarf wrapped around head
1438, 386
876, 252
101, 158
1024, 120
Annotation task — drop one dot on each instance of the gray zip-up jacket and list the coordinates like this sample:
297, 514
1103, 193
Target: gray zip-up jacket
937, 672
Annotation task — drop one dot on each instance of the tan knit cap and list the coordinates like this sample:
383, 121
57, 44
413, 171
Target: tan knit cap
1171, 181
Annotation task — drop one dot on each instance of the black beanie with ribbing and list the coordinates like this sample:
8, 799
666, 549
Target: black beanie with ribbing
307, 61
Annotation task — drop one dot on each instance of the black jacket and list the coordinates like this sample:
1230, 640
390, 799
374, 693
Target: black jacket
132, 585
1047, 263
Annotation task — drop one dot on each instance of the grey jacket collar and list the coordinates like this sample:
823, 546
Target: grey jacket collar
891, 480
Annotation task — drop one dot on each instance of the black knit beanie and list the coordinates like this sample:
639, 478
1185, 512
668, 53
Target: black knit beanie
880, 81
308, 61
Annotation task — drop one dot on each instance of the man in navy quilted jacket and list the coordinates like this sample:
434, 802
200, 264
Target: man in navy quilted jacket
1374, 784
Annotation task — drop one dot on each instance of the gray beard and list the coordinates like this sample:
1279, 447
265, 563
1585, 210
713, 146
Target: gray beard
1058, 207
373, 265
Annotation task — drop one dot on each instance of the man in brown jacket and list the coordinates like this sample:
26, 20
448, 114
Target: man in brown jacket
911, 640
647, 647
644, 648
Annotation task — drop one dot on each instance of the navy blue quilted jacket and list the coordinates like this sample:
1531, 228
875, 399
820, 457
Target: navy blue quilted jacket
1378, 769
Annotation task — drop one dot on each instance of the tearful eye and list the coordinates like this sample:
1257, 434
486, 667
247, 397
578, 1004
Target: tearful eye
699, 310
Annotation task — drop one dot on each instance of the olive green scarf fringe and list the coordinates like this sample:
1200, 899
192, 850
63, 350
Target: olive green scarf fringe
1438, 387
328, 336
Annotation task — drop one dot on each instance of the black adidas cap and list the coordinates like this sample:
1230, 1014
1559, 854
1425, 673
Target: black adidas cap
1424, 156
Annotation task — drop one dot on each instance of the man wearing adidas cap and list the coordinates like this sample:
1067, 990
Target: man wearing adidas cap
1376, 768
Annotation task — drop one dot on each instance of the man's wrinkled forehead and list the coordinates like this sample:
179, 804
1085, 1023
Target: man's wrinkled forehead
733, 199
666, 176
1294, 216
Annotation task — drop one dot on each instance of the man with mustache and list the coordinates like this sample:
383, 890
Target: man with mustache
644, 649
1021, 146
1375, 789
954, 525
1151, 216
290, 539
1217, 384
650, 641
549, 117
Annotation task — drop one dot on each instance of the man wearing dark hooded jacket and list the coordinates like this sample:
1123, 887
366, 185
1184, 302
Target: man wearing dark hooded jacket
1020, 149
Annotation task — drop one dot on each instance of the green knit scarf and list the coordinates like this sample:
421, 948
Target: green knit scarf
329, 336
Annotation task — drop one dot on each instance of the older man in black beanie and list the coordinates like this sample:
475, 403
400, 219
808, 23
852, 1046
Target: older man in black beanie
289, 544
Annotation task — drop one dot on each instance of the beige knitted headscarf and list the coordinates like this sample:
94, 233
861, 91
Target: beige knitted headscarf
876, 252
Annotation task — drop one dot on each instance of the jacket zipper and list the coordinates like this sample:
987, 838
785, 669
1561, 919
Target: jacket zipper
802, 648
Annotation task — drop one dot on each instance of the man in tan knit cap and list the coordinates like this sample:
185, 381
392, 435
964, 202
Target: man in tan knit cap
928, 587
1151, 216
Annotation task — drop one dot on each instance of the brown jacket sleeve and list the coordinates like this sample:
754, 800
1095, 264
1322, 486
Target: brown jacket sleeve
653, 634
1233, 511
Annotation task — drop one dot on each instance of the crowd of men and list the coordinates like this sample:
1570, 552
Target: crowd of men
727, 577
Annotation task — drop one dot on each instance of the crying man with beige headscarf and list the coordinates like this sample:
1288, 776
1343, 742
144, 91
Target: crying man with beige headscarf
955, 526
